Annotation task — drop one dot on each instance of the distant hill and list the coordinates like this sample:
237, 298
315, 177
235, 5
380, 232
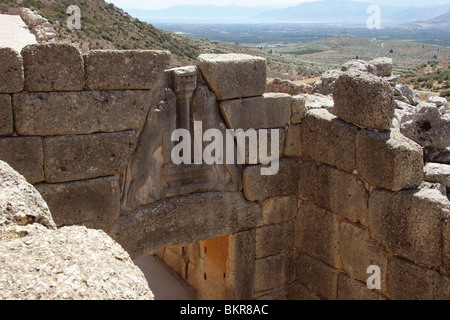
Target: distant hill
442, 21
349, 12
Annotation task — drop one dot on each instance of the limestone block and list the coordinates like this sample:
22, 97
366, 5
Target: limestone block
22, 209
233, 76
317, 276
446, 246
25, 155
304, 102
350, 289
60, 113
383, 66
293, 144
274, 271
53, 67
410, 223
274, 239
317, 234
11, 71
340, 192
123, 69
184, 220
364, 100
6, 116
279, 209
298, 291
255, 156
358, 251
327, 82
260, 187
389, 160
437, 172
273, 110
329, 140
68, 158
96, 201
408, 281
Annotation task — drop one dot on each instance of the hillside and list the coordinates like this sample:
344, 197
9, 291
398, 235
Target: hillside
104, 26
442, 21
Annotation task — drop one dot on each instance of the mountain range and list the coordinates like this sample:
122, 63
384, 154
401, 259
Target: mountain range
346, 12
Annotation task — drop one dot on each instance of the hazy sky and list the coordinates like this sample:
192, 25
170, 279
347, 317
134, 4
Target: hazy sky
158, 4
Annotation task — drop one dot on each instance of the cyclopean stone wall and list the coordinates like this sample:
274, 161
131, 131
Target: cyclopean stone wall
92, 133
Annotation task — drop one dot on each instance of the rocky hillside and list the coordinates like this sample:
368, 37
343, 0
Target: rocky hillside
104, 26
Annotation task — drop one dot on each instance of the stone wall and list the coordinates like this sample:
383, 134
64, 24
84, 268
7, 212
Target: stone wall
92, 133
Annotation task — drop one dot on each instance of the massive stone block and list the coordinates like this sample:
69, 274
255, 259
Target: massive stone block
68, 158
383, 66
293, 144
284, 183
96, 201
279, 209
364, 100
340, 192
305, 102
184, 220
358, 251
273, 110
317, 276
317, 234
233, 76
350, 289
274, 239
329, 140
53, 67
60, 113
11, 71
6, 116
25, 155
116, 69
410, 223
389, 160
274, 271
408, 281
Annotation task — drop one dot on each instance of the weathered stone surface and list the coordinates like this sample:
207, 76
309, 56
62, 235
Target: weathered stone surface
279, 209
329, 140
260, 187
350, 289
446, 246
293, 144
440, 102
273, 110
68, 158
434, 186
364, 100
72, 263
438, 156
317, 234
25, 155
437, 172
289, 87
317, 276
383, 66
389, 160
22, 209
358, 251
408, 281
410, 223
11, 71
53, 67
123, 69
358, 65
274, 271
196, 217
233, 76
6, 116
340, 192
428, 127
304, 102
96, 201
277, 294
58, 113
254, 156
327, 82
298, 291
274, 239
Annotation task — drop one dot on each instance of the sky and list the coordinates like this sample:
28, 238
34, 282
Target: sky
158, 4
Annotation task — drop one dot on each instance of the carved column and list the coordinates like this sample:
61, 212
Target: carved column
184, 83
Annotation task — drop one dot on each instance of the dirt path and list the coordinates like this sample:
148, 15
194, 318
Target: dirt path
14, 33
